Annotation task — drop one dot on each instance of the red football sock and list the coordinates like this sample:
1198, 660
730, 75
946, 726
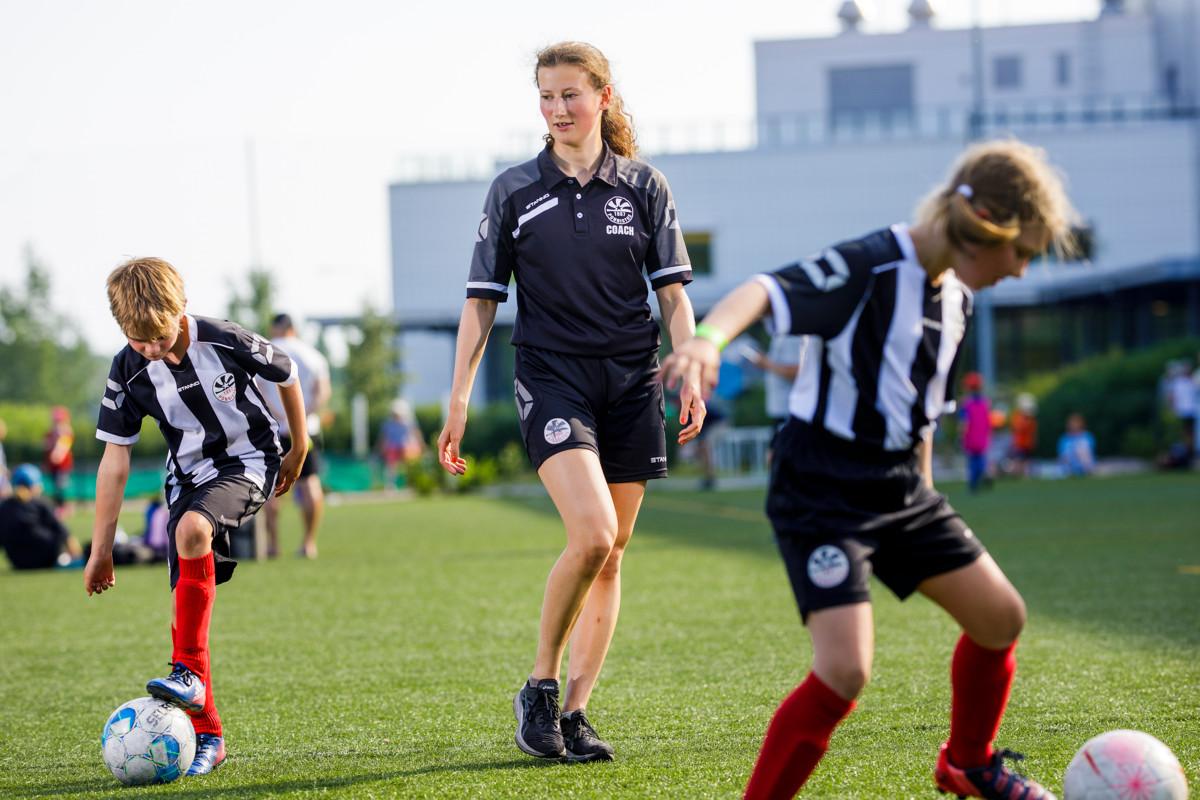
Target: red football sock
796, 740
980, 680
194, 595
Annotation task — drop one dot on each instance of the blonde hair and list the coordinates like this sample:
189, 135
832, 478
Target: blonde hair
146, 297
994, 189
616, 124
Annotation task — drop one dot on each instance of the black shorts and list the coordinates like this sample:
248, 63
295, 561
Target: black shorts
227, 502
312, 462
843, 511
612, 406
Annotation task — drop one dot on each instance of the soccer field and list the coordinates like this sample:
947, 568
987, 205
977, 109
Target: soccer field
387, 667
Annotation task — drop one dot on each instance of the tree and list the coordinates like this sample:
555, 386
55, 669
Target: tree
256, 309
372, 367
44, 356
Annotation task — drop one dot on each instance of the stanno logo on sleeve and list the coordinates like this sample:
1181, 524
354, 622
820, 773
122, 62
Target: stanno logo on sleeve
619, 211
481, 232
557, 430
225, 387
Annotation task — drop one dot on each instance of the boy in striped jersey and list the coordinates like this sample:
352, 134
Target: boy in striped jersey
195, 377
851, 490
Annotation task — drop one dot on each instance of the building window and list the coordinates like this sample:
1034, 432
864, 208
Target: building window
699, 247
1062, 69
878, 96
1006, 72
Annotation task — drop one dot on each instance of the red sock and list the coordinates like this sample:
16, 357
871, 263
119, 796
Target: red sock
194, 595
796, 739
980, 680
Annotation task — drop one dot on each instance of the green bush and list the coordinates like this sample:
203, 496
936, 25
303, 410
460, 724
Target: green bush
28, 423
1117, 393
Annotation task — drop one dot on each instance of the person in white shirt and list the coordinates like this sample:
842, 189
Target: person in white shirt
312, 370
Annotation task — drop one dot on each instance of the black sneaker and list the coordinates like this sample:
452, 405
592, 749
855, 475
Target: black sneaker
536, 708
581, 740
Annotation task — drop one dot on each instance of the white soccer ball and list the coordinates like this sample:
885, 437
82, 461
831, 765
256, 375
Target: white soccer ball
148, 741
1124, 765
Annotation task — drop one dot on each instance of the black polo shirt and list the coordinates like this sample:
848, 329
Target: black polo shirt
580, 255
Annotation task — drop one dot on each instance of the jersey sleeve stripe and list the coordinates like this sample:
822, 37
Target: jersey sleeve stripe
105, 436
116, 387
662, 273
291, 378
107, 402
495, 287
779, 304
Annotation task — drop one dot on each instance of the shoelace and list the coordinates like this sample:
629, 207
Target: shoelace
584, 729
182, 674
1015, 779
545, 708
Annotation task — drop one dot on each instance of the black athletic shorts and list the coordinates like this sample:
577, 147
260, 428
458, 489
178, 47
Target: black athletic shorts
843, 511
612, 406
227, 501
312, 462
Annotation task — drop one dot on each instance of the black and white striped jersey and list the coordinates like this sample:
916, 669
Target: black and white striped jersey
884, 340
208, 408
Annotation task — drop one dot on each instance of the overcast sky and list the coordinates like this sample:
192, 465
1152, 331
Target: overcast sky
126, 122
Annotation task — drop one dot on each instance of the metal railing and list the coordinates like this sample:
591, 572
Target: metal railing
827, 128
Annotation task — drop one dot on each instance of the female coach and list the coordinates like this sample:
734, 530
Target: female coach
580, 227
851, 489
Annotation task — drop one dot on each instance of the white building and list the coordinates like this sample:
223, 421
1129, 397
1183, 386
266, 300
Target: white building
851, 129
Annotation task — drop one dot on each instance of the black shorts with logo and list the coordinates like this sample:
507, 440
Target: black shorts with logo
227, 501
610, 405
842, 511
312, 462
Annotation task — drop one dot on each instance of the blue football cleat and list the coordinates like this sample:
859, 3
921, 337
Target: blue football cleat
210, 753
181, 688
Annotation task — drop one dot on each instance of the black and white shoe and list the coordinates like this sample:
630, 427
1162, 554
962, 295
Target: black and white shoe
581, 741
538, 729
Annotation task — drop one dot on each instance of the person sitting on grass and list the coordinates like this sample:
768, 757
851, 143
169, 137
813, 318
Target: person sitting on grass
195, 377
851, 490
30, 533
1077, 448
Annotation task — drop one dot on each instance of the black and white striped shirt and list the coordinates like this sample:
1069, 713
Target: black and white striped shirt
210, 412
884, 340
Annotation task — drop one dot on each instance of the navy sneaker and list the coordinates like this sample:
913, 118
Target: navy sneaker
581, 741
181, 688
539, 732
210, 754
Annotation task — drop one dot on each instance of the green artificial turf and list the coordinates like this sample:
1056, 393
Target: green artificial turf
387, 667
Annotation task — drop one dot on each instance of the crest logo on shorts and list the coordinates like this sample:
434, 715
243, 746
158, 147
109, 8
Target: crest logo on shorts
225, 387
619, 210
828, 566
557, 430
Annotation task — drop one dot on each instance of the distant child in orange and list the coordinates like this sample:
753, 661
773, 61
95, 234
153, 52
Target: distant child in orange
1024, 434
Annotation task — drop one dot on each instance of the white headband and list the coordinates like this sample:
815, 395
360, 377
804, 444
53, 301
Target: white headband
965, 190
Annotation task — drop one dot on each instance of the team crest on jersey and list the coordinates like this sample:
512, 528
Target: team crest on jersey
828, 566
557, 430
619, 210
225, 387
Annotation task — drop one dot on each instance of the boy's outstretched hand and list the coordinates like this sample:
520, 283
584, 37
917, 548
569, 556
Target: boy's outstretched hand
289, 468
98, 574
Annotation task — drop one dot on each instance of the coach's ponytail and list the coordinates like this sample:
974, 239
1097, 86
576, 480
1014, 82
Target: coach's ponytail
993, 190
616, 125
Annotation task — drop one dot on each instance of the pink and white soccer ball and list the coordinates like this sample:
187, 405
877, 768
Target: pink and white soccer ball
1124, 765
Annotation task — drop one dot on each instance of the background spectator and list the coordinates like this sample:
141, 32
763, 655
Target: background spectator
31, 534
4, 488
399, 441
58, 456
1182, 401
976, 416
1077, 448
